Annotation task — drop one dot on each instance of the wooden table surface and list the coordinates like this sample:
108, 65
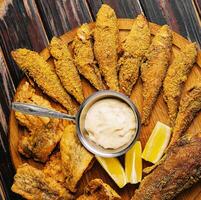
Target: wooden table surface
32, 23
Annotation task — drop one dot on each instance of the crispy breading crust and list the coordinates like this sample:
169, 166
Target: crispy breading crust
175, 78
134, 48
180, 169
75, 158
40, 142
190, 105
66, 69
153, 71
44, 75
106, 45
27, 94
84, 57
97, 189
32, 184
53, 169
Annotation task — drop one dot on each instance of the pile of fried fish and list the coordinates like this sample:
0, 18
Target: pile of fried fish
98, 56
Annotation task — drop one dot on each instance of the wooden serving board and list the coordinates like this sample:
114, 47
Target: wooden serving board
159, 113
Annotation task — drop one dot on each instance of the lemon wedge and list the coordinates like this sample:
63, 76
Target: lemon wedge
133, 164
157, 143
114, 168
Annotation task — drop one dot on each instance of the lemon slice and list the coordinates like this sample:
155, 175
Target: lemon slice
133, 164
114, 168
157, 143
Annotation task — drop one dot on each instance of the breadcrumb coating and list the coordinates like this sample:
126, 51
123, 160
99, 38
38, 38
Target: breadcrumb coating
66, 69
134, 48
84, 57
44, 75
153, 71
176, 76
106, 45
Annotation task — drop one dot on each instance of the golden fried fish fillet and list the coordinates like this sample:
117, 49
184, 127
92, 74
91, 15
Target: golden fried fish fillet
179, 170
43, 133
75, 158
190, 105
97, 189
27, 94
176, 76
44, 75
66, 69
53, 169
134, 48
106, 45
40, 142
153, 71
33, 184
84, 57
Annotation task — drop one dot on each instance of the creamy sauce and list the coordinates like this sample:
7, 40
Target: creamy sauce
110, 123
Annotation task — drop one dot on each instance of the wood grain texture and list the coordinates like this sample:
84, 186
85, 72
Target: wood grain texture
61, 16
180, 15
21, 26
159, 113
7, 89
123, 8
198, 7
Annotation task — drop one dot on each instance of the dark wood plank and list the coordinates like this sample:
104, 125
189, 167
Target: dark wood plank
7, 89
60, 16
180, 15
123, 8
20, 26
94, 6
198, 7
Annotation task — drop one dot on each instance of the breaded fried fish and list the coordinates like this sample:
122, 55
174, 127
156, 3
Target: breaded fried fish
66, 69
75, 158
84, 57
134, 48
97, 189
179, 170
43, 133
40, 142
44, 75
33, 184
27, 94
190, 105
176, 76
106, 45
153, 71
53, 169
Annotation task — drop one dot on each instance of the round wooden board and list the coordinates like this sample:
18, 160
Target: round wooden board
159, 113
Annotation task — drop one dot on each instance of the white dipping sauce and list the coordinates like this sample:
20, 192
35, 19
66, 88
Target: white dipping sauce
110, 123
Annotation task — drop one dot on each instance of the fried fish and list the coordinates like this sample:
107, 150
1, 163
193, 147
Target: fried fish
176, 76
97, 190
53, 169
106, 45
75, 158
66, 69
27, 94
84, 57
33, 184
44, 75
134, 48
179, 170
43, 133
40, 142
153, 71
190, 105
